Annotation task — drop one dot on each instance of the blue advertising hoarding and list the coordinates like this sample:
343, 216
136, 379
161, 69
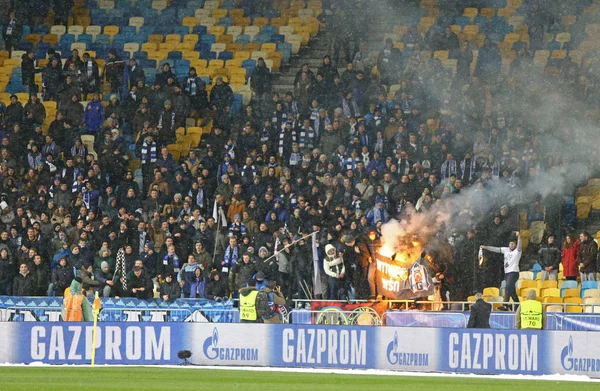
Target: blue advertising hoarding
345, 347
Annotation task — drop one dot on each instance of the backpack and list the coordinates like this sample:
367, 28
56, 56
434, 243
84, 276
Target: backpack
262, 305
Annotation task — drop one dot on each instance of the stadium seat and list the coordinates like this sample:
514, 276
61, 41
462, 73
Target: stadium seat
570, 293
591, 293
550, 292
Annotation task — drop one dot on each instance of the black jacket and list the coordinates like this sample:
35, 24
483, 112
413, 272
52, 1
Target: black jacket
61, 278
24, 285
480, 315
173, 290
549, 256
143, 281
215, 288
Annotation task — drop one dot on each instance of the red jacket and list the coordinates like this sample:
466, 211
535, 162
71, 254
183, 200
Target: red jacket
569, 261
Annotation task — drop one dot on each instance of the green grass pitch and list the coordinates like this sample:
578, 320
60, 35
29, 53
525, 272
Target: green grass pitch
171, 379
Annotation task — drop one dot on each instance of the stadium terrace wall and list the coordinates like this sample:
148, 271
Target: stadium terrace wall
390, 348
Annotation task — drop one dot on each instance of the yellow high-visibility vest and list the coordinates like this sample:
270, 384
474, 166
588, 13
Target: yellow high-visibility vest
531, 314
248, 306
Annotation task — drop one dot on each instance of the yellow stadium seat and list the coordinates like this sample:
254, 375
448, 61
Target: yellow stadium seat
563, 37
548, 284
234, 31
441, 54
552, 299
155, 38
234, 47
278, 22
470, 12
574, 308
252, 47
217, 63
111, 30
527, 284
523, 291
491, 291
489, 13
149, 47
233, 63
568, 20
199, 64
167, 46
216, 30
219, 13
236, 13
261, 22
225, 38
550, 292
268, 47
571, 293
471, 29
173, 38
242, 22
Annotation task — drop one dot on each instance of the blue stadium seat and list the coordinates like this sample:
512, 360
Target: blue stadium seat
181, 30
462, 21
147, 63
225, 56
270, 30
40, 29
225, 22
138, 56
175, 55
150, 75
277, 38
200, 30
85, 38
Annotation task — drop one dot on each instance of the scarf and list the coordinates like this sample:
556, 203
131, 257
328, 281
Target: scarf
307, 138
282, 137
49, 149
249, 171
199, 197
468, 169
448, 168
78, 151
191, 87
120, 268
379, 214
350, 108
34, 160
145, 157
11, 26
231, 257
295, 159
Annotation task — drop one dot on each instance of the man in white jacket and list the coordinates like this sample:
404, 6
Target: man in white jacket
335, 270
512, 257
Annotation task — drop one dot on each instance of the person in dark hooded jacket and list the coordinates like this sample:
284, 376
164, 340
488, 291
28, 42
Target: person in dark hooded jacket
302, 265
62, 275
170, 289
216, 288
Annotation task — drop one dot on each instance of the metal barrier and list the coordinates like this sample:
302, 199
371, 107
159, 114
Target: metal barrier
30, 314
123, 314
361, 316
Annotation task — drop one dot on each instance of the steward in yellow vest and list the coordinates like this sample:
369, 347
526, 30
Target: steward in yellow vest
531, 313
248, 305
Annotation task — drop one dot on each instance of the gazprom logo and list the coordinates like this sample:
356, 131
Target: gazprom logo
397, 357
578, 364
212, 351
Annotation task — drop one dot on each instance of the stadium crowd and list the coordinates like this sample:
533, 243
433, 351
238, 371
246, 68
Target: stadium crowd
336, 155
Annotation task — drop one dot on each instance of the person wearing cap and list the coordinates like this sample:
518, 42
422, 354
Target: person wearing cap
274, 299
237, 228
105, 276
170, 289
85, 275
378, 213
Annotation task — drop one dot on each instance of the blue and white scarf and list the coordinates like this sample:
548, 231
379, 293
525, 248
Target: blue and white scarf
33, 160
191, 87
152, 151
448, 168
307, 138
78, 151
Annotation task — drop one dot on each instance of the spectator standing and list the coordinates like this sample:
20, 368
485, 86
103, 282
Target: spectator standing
480, 313
512, 256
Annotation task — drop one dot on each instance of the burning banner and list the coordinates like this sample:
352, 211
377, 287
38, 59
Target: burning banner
399, 280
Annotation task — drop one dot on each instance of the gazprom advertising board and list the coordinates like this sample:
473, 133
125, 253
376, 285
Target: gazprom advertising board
390, 348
